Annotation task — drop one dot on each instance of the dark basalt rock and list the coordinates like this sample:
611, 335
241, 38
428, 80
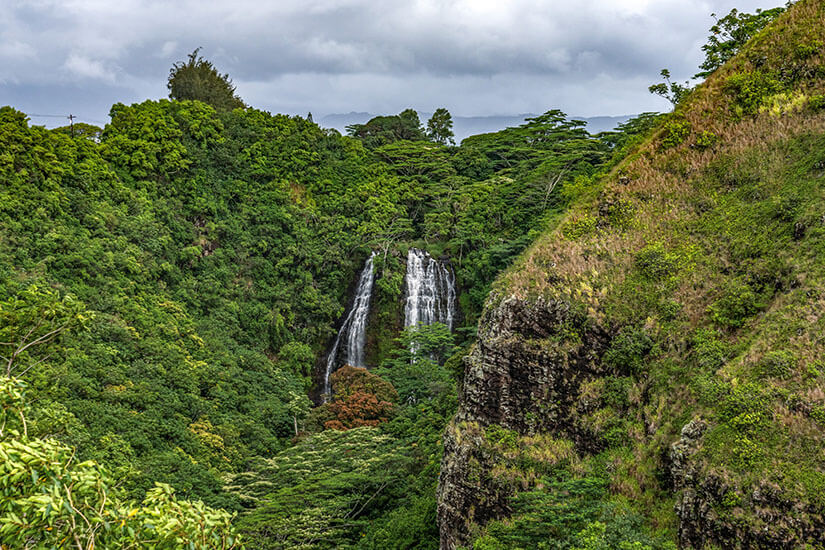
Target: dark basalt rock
524, 375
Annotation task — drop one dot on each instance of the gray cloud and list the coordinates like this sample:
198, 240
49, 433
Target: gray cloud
476, 57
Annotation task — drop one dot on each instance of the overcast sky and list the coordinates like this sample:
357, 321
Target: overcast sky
475, 57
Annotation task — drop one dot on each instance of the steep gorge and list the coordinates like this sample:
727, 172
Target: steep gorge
665, 336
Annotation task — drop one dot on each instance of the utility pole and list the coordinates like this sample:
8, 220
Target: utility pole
71, 118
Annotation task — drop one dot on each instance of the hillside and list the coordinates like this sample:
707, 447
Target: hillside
650, 370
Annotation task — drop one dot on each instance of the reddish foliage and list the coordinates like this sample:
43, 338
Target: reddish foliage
360, 399
348, 380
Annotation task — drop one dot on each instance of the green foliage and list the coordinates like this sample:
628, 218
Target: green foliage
440, 127
209, 252
777, 364
672, 91
198, 79
210, 284
481, 202
595, 537
50, 499
745, 407
730, 34
408, 527
618, 213
579, 227
750, 90
630, 134
656, 263
628, 351
738, 302
417, 369
324, 491
32, 324
818, 414
745, 215
567, 514
711, 351
706, 140
383, 130
675, 132
817, 102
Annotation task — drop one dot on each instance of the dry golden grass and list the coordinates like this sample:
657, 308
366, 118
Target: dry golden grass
665, 176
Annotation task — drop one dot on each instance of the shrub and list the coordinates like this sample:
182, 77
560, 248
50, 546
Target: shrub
817, 414
579, 227
628, 351
618, 213
746, 453
711, 352
615, 392
501, 438
813, 370
749, 90
737, 303
731, 499
706, 140
777, 364
676, 131
817, 102
784, 103
655, 262
804, 51
744, 406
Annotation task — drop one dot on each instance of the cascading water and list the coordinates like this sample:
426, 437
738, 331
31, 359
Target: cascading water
430, 291
354, 329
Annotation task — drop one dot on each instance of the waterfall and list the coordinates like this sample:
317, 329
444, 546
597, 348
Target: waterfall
354, 329
430, 291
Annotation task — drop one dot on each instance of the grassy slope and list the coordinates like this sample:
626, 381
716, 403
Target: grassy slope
709, 239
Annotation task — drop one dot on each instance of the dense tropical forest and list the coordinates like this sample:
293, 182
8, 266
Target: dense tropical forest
172, 279
172, 285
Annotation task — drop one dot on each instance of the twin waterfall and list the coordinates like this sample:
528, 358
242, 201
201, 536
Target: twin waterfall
430, 298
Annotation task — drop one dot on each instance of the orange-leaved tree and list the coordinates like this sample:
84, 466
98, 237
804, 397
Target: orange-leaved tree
360, 399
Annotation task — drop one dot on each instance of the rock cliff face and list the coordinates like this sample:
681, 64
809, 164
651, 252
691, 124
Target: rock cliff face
523, 375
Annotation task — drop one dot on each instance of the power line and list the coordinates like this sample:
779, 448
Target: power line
48, 116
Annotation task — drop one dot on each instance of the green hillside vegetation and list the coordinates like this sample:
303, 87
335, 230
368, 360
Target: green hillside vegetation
701, 256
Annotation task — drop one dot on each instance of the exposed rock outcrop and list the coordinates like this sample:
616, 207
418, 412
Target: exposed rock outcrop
523, 375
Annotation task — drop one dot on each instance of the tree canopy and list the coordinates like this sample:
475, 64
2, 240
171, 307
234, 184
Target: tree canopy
198, 79
730, 33
440, 127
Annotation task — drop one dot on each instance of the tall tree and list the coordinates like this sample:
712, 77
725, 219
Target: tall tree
672, 91
382, 130
730, 33
440, 127
198, 79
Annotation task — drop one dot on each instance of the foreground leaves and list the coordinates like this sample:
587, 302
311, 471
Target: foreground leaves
49, 500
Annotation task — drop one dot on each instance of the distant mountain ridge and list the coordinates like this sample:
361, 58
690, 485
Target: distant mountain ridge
464, 126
